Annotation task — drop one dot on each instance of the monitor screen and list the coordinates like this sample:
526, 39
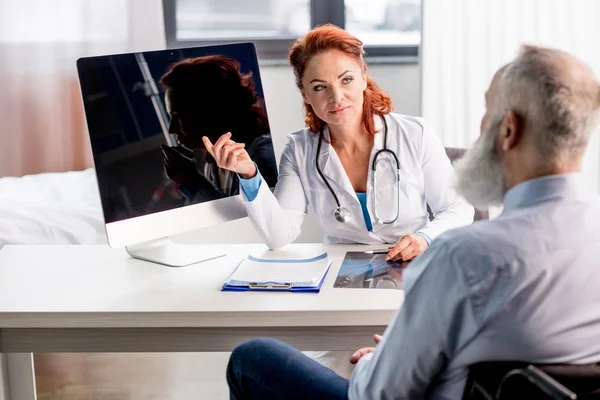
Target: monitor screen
147, 113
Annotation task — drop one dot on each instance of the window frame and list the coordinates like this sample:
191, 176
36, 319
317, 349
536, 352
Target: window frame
276, 50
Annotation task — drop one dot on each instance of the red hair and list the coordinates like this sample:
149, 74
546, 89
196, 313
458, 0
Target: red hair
330, 37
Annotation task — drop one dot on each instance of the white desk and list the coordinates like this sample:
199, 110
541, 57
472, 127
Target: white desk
97, 299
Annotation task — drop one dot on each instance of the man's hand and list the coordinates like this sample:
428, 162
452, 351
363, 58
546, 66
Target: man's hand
180, 165
407, 247
365, 350
231, 155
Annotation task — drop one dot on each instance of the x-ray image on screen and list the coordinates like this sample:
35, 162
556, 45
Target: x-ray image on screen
147, 113
369, 271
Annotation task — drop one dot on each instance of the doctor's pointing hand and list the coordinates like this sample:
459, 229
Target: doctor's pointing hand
231, 156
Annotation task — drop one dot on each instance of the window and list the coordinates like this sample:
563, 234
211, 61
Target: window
388, 28
384, 22
234, 19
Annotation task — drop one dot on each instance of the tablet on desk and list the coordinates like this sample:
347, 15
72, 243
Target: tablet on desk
369, 271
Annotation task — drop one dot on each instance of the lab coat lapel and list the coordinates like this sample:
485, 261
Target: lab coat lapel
379, 144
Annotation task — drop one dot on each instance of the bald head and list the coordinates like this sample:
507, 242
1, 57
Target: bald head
556, 96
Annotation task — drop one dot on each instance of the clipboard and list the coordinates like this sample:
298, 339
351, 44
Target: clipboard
303, 275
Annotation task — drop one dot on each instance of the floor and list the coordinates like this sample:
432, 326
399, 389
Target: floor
147, 376
133, 376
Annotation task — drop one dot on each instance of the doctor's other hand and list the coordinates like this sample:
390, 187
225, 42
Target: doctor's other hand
180, 165
358, 354
407, 247
231, 155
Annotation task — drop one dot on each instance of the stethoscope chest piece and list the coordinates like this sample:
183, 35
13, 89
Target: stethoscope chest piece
342, 214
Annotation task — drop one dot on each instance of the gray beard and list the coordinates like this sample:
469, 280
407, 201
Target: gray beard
479, 174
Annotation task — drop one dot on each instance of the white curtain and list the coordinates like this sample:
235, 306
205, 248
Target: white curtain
466, 41
42, 124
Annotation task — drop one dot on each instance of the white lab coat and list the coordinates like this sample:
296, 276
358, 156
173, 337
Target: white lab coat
426, 176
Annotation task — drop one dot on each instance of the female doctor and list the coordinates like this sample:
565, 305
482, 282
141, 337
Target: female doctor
367, 174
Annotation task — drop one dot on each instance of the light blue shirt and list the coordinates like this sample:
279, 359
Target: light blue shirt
251, 186
522, 287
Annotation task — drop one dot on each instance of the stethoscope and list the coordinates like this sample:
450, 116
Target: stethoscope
343, 214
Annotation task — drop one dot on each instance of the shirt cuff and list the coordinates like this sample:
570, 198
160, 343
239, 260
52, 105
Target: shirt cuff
251, 186
426, 237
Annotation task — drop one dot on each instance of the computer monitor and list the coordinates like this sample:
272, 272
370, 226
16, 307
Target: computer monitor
146, 114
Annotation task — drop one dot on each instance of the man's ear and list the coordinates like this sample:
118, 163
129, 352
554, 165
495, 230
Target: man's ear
511, 130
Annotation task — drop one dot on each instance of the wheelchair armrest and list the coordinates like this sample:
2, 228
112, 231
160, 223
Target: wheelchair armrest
537, 380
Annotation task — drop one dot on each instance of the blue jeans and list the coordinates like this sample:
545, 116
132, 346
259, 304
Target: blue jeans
268, 369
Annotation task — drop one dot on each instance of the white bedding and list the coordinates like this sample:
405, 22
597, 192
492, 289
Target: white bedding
51, 208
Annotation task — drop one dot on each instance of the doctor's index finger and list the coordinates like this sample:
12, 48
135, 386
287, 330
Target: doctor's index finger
399, 247
209, 146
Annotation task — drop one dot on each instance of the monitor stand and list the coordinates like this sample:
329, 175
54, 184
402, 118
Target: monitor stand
164, 251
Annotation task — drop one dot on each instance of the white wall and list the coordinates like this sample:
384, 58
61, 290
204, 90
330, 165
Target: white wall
284, 106
466, 41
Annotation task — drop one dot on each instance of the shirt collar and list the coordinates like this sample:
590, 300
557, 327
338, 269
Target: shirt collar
540, 190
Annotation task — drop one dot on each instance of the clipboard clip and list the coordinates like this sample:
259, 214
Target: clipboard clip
269, 285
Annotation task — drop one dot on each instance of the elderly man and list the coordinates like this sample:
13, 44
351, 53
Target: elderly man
520, 287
